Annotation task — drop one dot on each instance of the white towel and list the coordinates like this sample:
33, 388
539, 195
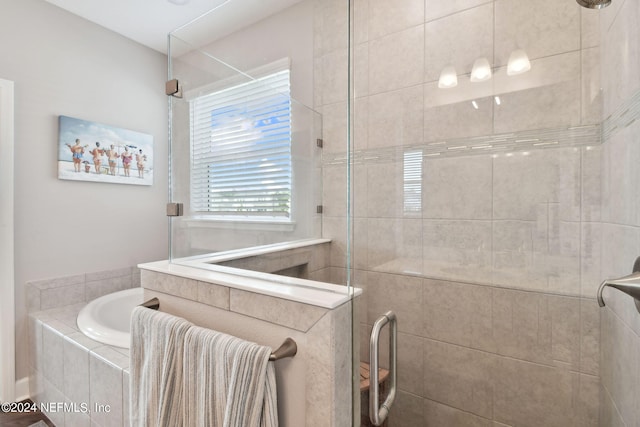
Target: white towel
228, 382
156, 363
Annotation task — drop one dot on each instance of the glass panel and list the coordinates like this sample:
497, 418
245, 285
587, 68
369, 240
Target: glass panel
262, 164
477, 139
245, 159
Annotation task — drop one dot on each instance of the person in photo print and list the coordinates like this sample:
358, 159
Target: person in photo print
112, 156
97, 153
140, 159
77, 151
127, 156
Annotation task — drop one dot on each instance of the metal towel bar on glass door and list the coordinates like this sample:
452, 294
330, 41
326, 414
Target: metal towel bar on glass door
377, 412
288, 348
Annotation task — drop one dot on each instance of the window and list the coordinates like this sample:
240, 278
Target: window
241, 150
412, 182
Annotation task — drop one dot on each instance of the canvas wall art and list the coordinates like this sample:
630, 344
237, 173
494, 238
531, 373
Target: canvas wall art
90, 151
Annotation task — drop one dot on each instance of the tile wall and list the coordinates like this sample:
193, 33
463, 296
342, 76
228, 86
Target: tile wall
493, 272
620, 225
314, 387
66, 291
68, 368
65, 366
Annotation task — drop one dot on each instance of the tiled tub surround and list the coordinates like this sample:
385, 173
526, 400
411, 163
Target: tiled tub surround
314, 387
65, 365
70, 290
69, 368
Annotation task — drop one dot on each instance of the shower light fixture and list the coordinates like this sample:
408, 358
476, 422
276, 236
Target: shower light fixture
448, 78
481, 70
179, 2
518, 63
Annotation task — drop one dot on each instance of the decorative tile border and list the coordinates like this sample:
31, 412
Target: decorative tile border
577, 136
625, 115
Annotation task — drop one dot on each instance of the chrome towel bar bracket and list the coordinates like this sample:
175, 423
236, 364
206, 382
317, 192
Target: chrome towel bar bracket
153, 304
630, 285
289, 348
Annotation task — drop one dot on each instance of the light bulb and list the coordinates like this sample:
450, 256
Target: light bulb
518, 63
448, 78
481, 70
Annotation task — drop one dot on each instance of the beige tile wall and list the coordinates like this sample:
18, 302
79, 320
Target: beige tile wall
515, 219
68, 368
494, 280
507, 355
314, 387
63, 291
65, 366
620, 242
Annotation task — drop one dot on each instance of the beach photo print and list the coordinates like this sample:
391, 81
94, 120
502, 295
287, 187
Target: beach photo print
90, 151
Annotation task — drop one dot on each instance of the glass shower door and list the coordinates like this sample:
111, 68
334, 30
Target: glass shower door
477, 172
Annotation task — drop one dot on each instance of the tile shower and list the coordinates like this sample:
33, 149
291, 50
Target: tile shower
493, 272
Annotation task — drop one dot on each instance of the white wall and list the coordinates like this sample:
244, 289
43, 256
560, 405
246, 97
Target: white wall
7, 310
64, 65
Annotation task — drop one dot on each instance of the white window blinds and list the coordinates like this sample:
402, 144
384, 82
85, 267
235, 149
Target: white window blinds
412, 182
241, 149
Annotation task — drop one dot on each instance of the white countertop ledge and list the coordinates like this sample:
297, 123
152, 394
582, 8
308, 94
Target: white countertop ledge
214, 258
320, 294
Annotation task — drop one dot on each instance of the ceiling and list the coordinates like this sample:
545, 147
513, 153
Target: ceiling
149, 21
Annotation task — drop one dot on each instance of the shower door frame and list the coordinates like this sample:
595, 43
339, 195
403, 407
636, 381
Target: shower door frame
7, 286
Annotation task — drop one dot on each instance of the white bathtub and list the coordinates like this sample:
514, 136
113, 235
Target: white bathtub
106, 319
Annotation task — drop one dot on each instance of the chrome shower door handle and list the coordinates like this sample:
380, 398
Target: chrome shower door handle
378, 413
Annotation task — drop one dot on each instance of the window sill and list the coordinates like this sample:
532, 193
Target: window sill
233, 223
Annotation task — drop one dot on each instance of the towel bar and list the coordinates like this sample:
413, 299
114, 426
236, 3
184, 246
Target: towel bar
288, 348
